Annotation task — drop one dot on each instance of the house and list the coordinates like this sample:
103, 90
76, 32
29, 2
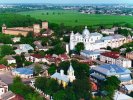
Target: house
121, 96
64, 79
10, 59
39, 47
129, 55
48, 32
115, 58
128, 88
64, 57
100, 73
10, 96
23, 72
3, 67
109, 31
36, 58
91, 54
3, 87
23, 48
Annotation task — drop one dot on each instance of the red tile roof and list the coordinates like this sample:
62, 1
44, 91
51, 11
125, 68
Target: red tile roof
3, 66
37, 56
17, 97
63, 56
114, 55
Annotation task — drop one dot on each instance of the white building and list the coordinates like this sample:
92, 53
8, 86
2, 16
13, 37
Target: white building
3, 88
93, 55
93, 41
109, 31
10, 60
115, 58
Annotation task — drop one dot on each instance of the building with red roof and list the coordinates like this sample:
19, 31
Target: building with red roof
3, 67
115, 58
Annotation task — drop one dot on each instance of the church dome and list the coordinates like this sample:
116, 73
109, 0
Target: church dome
86, 32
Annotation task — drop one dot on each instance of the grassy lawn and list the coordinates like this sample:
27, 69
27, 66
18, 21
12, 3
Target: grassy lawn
73, 18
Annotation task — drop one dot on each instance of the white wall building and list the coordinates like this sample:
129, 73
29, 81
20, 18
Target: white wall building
3, 87
94, 41
115, 58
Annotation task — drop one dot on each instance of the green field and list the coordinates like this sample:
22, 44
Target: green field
73, 18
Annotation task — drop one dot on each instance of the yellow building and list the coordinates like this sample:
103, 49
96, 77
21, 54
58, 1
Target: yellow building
64, 79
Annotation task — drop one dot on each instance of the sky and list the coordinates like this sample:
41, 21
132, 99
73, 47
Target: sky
67, 1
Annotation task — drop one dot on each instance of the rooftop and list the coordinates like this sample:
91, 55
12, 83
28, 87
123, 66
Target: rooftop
111, 69
22, 70
114, 55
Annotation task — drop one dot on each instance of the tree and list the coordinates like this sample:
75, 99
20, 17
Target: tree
111, 83
4, 61
79, 47
6, 50
30, 34
60, 95
109, 48
18, 87
37, 69
40, 83
83, 92
52, 69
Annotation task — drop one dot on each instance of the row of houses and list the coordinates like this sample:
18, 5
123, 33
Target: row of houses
108, 57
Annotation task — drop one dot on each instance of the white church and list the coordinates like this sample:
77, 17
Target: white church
96, 41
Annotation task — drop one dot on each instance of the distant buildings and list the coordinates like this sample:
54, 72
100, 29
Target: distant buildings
115, 58
109, 31
24, 30
101, 72
95, 41
64, 79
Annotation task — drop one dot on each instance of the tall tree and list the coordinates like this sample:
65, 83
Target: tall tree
79, 47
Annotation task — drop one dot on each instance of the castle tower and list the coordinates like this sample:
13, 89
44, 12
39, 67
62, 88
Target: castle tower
44, 25
4, 28
36, 28
70, 73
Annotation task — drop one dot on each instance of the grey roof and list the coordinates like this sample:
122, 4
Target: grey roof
111, 69
60, 77
117, 36
7, 95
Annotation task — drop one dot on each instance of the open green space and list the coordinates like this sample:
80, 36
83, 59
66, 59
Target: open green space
74, 18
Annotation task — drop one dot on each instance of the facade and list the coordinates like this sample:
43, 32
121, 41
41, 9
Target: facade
3, 87
3, 68
93, 55
24, 30
94, 41
10, 60
115, 58
100, 73
129, 55
121, 96
64, 79
23, 72
109, 31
